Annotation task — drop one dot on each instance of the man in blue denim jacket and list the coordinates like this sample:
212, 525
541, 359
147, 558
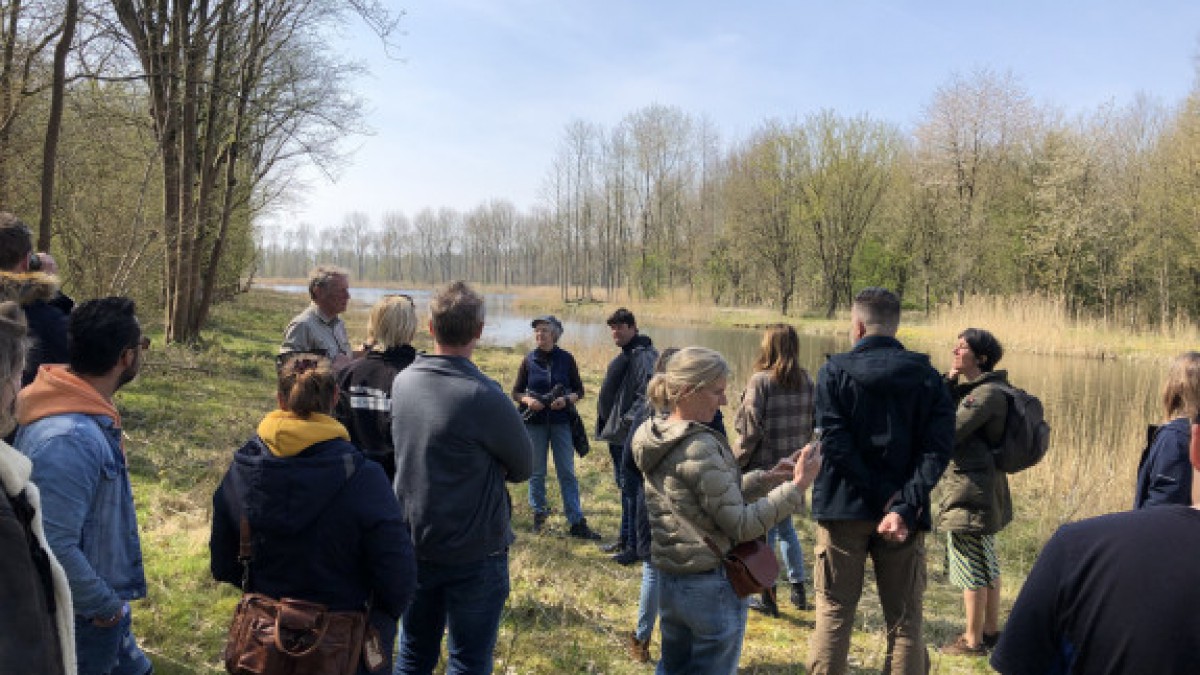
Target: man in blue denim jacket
72, 432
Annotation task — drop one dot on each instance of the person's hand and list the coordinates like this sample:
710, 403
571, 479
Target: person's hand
109, 622
808, 465
534, 404
49, 266
783, 470
893, 529
952, 374
558, 403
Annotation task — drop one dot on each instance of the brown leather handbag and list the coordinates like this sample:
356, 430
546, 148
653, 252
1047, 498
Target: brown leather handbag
288, 636
295, 637
750, 566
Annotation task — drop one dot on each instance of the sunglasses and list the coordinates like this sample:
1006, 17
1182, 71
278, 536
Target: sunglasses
143, 343
406, 296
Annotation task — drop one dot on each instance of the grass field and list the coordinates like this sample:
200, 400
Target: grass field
570, 607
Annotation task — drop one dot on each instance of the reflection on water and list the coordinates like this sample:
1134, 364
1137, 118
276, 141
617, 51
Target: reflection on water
1100, 405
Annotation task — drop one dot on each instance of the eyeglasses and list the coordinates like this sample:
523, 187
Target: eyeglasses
143, 343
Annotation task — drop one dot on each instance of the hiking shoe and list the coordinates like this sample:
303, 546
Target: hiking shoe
960, 647
581, 530
639, 650
615, 547
990, 639
539, 520
799, 598
765, 602
625, 558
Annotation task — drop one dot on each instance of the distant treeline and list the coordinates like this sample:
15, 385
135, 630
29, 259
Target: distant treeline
989, 194
144, 142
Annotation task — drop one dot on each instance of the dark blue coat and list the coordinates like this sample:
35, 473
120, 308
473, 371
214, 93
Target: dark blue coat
888, 428
1165, 472
326, 528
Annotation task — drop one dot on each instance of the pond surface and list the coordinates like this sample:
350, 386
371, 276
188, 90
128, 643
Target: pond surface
1095, 406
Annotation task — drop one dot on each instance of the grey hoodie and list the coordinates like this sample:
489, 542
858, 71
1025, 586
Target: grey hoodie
692, 478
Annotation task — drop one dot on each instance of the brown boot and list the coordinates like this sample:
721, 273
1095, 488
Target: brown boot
638, 650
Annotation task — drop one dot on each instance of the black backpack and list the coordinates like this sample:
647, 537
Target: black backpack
1026, 433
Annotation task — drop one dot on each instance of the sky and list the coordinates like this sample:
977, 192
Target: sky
472, 101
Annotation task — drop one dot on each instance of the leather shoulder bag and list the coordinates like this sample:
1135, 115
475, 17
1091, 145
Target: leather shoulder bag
293, 637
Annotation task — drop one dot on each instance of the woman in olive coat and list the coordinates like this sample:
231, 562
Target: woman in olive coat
975, 502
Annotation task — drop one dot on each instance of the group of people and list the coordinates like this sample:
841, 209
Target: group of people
380, 485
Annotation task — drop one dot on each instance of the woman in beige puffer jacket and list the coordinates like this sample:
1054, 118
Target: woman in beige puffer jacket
694, 490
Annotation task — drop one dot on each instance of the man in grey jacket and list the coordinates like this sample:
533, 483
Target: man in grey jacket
457, 438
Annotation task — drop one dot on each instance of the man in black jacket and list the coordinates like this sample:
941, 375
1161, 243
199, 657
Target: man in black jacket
28, 279
624, 381
888, 426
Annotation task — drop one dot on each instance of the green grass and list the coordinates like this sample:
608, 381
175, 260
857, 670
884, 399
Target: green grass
569, 608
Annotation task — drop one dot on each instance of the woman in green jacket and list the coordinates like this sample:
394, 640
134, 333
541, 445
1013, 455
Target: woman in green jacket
975, 502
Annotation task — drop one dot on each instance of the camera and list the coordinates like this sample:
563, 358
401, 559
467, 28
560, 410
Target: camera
545, 399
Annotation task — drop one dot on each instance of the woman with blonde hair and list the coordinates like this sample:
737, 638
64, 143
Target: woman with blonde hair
696, 496
324, 524
774, 418
1165, 472
36, 617
365, 404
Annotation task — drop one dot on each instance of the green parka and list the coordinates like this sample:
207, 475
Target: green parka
691, 473
974, 494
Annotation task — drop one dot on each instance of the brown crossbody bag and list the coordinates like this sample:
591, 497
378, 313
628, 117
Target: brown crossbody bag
750, 567
295, 637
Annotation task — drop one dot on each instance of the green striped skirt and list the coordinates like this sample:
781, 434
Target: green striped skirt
973, 562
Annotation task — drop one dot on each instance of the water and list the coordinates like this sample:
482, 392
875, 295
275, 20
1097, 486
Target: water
1088, 400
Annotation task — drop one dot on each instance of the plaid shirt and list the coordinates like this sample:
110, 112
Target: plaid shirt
772, 422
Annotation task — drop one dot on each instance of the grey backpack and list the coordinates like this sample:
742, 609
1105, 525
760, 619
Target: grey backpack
1026, 433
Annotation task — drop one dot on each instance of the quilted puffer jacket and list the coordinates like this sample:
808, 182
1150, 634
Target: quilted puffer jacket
691, 474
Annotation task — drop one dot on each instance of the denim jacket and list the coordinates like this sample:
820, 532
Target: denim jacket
88, 508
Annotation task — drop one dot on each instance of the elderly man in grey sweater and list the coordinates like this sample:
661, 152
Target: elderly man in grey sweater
458, 438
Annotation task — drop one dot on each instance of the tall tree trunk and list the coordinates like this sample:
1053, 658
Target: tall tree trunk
54, 124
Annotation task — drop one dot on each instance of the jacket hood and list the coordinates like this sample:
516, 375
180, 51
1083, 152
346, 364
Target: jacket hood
882, 364
287, 494
286, 435
657, 437
15, 470
26, 288
58, 391
638, 340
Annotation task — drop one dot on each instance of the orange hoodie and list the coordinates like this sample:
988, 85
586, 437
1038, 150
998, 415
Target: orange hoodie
58, 391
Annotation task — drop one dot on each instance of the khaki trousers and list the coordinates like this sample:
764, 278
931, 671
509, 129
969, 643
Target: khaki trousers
841, 555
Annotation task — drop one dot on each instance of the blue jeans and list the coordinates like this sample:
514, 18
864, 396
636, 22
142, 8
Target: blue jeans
109, 651
702, 622
469, 599
789, 548
647, 603
629, 480
556, 437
